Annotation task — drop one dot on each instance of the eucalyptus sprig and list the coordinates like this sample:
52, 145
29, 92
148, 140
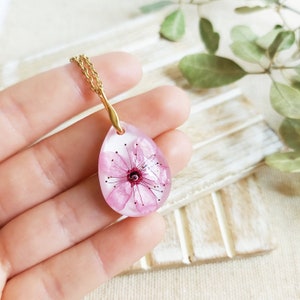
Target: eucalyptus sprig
269, 52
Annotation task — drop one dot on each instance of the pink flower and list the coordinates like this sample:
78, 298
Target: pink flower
135, 177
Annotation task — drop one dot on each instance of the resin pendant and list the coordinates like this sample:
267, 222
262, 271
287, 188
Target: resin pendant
134, 176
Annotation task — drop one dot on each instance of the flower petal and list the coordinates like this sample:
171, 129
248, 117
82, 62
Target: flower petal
112, 164
146, 200
135, 152
164, 176
119, 196
141, 150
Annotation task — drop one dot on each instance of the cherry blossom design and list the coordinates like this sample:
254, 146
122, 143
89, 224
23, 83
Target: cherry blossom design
133, 173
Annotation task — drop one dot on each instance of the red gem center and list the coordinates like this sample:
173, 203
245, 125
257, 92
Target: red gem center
134, 176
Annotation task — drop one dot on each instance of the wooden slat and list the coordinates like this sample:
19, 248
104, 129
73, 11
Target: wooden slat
249, 233
227, 148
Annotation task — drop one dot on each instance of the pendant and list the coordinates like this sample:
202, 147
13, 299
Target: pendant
133, 173
134, 176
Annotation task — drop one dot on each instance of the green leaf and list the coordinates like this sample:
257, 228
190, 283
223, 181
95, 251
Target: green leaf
271, 1
209, 36
283, 41
173, 27
155, 6
285, 100
266, 40
208, 71
294, 79
249, 9
297, 69
242, 33
286, 162
296, 83
248, 51
290, 132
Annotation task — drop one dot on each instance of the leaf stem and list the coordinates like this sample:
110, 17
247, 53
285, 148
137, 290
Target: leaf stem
282, 68
258, 72
198, 3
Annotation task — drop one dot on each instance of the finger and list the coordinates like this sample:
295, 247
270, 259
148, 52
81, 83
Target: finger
57, 163
35, 106
75, 272
177, 149
53, 226
78, 213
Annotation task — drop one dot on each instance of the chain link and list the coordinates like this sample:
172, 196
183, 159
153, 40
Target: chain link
96, 85
89, 72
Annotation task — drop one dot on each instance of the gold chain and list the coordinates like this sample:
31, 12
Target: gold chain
96, 85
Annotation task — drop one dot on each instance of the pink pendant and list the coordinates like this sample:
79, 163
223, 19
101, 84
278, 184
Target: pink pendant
134, 176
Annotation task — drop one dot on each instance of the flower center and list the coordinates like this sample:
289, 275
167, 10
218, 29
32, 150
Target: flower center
134, 176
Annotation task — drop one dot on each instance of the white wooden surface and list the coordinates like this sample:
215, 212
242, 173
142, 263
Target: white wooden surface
229, 138
227, 223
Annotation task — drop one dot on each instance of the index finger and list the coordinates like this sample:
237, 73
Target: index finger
32, 108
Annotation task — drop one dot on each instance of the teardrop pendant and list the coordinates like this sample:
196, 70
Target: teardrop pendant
134, 176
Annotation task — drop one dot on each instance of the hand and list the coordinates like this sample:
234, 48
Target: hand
55, 242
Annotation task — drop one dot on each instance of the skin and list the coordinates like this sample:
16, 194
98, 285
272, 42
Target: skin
55, 242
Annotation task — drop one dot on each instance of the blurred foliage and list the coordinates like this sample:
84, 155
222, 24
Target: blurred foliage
209, 70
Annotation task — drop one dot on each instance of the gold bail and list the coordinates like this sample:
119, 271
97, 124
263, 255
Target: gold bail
96, 85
